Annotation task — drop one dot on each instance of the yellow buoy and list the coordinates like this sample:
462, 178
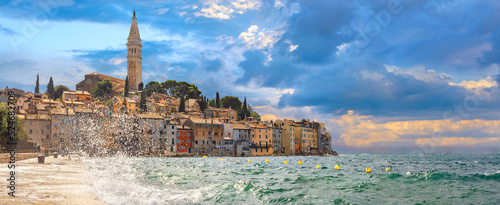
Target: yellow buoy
318, 166
267, 160
219, 158
249, 160
204, 156
337, 166
237, 160
368, 170
387, 169
286, 162
300, 161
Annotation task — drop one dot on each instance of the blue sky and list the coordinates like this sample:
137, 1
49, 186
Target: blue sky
383, 75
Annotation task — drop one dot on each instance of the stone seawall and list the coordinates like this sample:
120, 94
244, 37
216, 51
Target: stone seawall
5, 157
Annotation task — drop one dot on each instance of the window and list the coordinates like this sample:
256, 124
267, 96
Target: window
31, 122
178, 140
31, 131
43, 131
266, 136
188, 141
173, 133
178, 134
196, 141
259, 137
43, 123
173, 127
173, 141
188, 134
171, 148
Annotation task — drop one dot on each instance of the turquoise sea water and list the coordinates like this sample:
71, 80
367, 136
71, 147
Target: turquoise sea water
414, 179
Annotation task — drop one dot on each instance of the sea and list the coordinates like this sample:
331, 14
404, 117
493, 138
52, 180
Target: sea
412, 179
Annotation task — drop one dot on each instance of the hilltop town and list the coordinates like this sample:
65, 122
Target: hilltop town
106, 115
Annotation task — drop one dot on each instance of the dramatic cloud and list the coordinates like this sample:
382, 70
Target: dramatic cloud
405, 68
225, 9
420, 135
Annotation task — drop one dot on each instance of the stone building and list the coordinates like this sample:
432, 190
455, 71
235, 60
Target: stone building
168, 138
261, 140
37, 127
241, 137
207, 136
92, 79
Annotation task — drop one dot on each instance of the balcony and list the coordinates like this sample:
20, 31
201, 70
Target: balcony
254, 145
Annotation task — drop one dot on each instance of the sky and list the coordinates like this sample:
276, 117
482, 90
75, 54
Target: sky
385, 76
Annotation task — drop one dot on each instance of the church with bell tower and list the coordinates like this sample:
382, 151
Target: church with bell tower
134, 67
134, 57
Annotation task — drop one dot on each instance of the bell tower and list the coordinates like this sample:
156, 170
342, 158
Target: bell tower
134, 56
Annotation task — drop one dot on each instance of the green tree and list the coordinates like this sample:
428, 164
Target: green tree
20, 132
203, 105
230, 101
256, 116
244, 111
182, 106
58, 91
103, 89
168, 87
217, 100
211, 103
142, 103
186, 90
125, 92
153, 87
37, 86
50, 88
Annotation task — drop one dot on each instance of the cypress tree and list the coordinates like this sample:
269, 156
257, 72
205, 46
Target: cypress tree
217, 100
50, 88
182, 105
141, 86
125, 94
142, 102
245, 110
37, 87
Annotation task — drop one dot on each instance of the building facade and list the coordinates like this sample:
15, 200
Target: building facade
184, 140
261, 140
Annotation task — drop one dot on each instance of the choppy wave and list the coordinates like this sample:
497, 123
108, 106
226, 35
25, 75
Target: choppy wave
413, 179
